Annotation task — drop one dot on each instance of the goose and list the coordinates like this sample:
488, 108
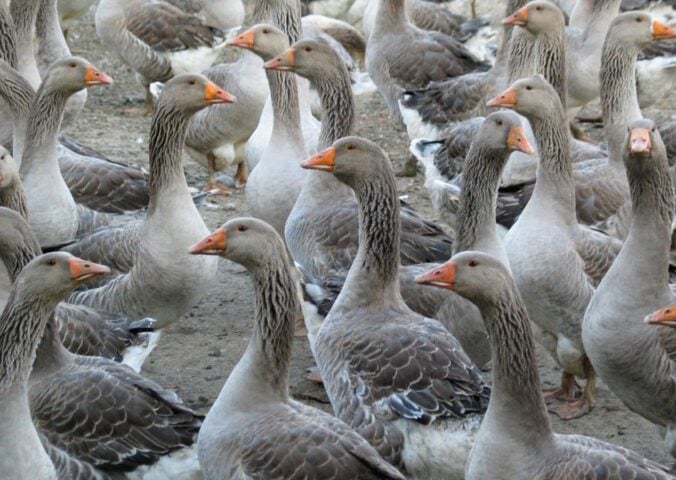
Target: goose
52, 211
156, 39
664, 316
221, 14
8, 55
275, 182
43, 283
70, 11
399, 55
399, 379
253, 417
515, 440
349, 37
12, 195
164, 282
571, 259
636, 285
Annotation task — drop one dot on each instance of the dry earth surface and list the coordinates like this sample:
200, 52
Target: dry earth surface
197, 353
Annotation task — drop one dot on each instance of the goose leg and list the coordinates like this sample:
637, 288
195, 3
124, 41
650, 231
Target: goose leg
241, 175
566, 391
585, 404
214, 187
147, 108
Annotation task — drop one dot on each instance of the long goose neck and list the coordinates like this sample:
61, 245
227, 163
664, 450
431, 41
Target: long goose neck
284, 14
619, 100
515, 397
14, 198
376, 266
554, 176
277, 308
167, 136
551, 61
285, 106
19, 256
24, 14
21, 326
476, 213
391, 15
50, 354
337, 102
8, 41
17, 93
502, 55
44, 119
522, 55
652, 196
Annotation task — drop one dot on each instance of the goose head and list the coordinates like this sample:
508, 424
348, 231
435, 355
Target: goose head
644, 146
72, 74
477, 276
193, 92
9, 171
665, 316
54, 276
533, 97
637, 30
264, 40
503, 131
537, 17
350, 159
309, 58
247, 241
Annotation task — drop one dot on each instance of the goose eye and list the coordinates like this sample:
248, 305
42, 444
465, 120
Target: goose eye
265, 30
191, 82
538, 8
473, 263
349, 147
51, 262
639, 19
500, 123
73, 65
308, 49
242, 228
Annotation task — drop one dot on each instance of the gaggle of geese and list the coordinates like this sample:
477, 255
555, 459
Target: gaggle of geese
424, 335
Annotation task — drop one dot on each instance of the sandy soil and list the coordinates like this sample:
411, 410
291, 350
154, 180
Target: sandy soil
197, 353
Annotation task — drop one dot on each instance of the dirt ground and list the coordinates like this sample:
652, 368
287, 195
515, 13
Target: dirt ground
197, 353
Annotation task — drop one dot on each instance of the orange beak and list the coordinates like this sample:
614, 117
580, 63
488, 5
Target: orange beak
662, 32
640, 142
324, 160
245, 40
284, 62
520, 18
214, 244
214, 94
82, 270
666, 317
516, 140
443, 276
505, 99
92, 77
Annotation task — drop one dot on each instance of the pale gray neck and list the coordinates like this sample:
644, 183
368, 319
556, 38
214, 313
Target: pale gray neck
516, 402
21, 326
17, 94
551, 60
13, 197
337, 102
44, 121
167, 137
554, 176
619, 100
24, 13
375, 269
51, 354
391, 16
502, 55
285, 106
8, 40
283, 14
594, 16
476, 213
51, 43
522, 55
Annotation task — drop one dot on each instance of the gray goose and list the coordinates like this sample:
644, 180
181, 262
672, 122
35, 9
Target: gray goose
401, 56
515, 440
156, 39
253, 418
164, 281
628, 354
323, 241
664, 316
82, 330
94, 181
70, 11
399, 379
44, 282
571, 259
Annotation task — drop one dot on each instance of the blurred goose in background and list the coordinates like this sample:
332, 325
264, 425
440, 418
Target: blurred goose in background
253, 417
221, 14
70, 11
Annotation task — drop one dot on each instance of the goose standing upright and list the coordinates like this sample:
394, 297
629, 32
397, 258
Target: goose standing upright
253, 417
558, 288
44, 282
626, 353
164, 281
400, 379
515, 440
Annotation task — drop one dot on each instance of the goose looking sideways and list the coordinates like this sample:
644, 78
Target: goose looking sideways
253, 418
46, 281
515, 440
571, 259
665, 316
629, 355
399, 379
